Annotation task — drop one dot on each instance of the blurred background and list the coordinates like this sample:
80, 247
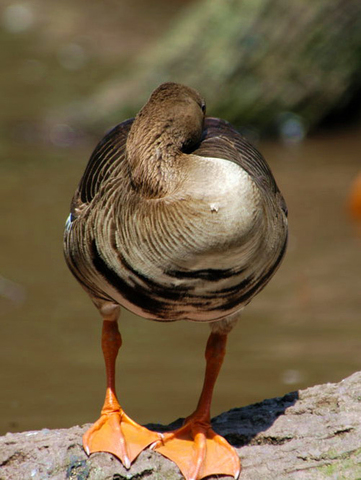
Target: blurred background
288, 75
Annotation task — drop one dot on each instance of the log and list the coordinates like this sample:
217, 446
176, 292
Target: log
310, 434
268, 64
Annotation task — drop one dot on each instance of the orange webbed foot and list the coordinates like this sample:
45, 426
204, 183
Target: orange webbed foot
118, 434
198, 451
115, 432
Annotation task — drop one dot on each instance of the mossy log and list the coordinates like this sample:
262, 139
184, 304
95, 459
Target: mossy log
313, 434
255, 61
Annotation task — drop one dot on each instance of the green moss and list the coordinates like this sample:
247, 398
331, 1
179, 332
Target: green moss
346, 466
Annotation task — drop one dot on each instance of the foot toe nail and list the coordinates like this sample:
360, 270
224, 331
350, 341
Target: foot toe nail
126, 462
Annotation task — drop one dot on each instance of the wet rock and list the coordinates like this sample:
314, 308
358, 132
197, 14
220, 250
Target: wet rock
310, 434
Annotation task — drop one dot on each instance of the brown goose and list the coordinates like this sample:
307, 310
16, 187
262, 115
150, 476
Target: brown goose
177, 217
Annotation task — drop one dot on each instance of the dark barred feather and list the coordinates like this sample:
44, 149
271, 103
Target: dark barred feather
99, 238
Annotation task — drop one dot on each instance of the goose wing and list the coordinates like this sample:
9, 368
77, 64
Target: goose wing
221, 140
107, 158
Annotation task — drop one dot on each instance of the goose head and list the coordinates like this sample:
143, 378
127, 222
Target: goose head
169, 126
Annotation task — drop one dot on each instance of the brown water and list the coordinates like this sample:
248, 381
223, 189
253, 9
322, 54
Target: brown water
303, 329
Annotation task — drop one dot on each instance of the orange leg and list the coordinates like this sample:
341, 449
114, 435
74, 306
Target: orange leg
196, 448
115, 432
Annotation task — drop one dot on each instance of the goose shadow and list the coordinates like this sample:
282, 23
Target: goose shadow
241, 425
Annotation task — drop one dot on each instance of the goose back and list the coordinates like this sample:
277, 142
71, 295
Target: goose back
156, 257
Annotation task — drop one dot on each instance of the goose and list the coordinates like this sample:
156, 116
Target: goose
176, 217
